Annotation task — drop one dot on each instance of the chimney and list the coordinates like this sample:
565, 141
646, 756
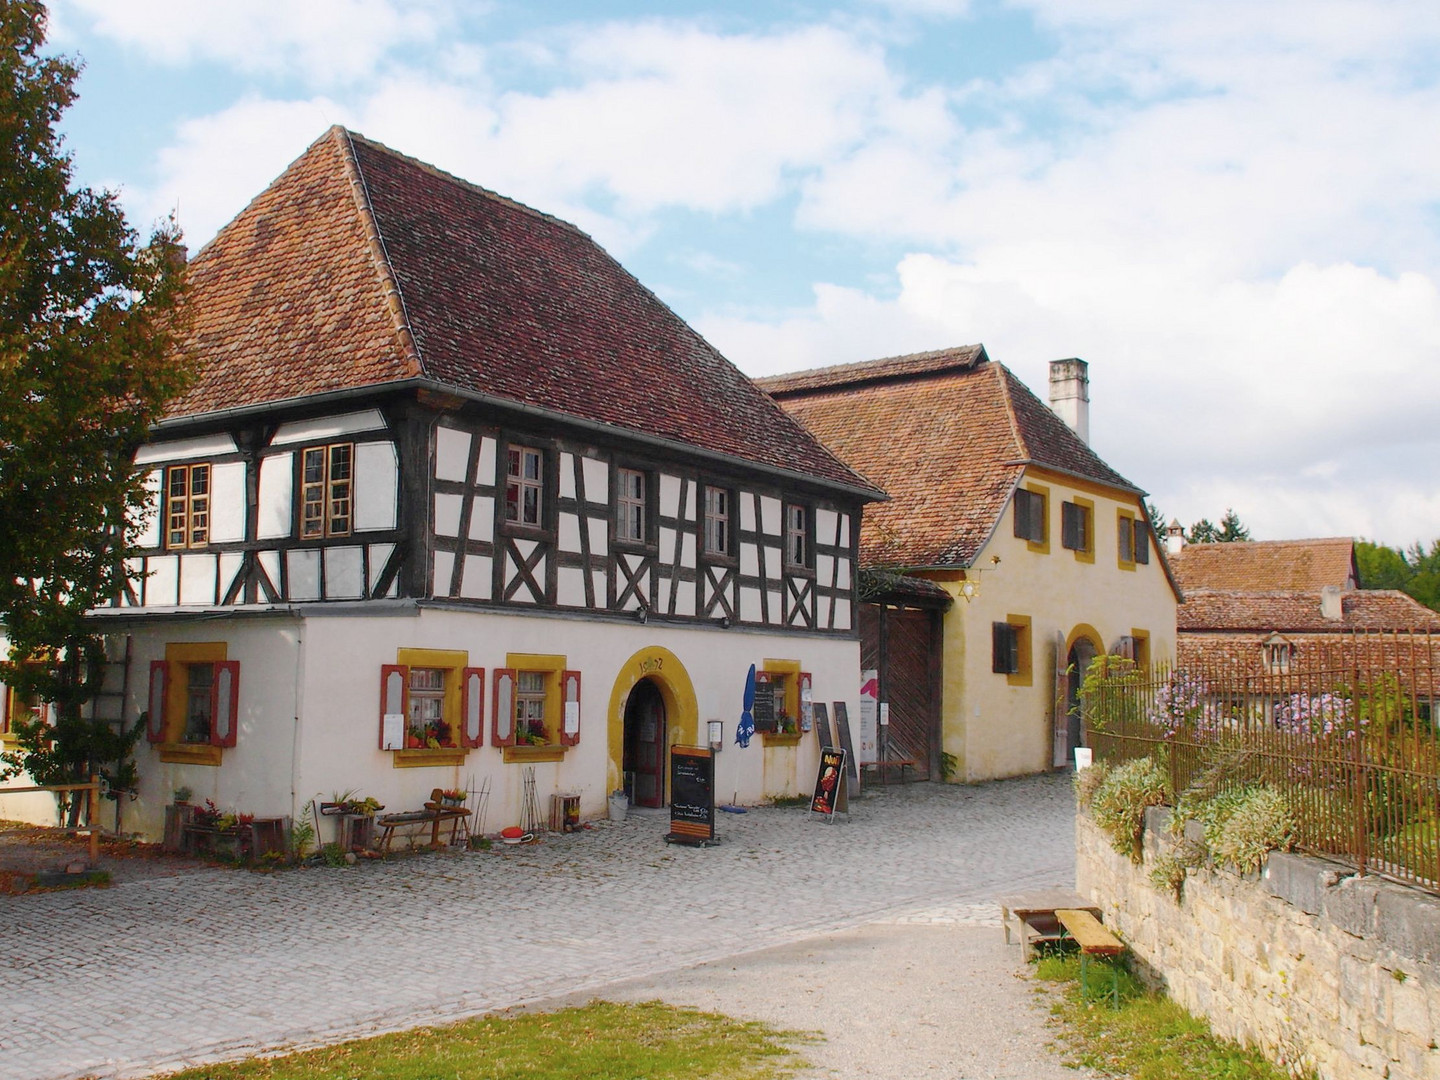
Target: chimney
1331, 606
1174, 537
1070, 395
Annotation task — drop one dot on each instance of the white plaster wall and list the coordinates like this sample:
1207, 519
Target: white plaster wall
227, 502
340, 723
276, 506
256, 773
377, 484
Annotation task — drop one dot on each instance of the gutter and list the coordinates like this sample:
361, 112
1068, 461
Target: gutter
597, 427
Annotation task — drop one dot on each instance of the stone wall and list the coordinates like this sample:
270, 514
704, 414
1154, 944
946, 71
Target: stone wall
1305, 959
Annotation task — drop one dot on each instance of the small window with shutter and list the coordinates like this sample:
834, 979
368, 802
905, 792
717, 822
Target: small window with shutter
1030, 515
193, 703
432, 706
1075, 527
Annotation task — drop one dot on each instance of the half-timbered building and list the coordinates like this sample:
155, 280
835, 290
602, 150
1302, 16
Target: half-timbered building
455, 495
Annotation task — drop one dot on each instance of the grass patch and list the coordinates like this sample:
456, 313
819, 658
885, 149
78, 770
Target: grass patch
599, 1041
1148, 1037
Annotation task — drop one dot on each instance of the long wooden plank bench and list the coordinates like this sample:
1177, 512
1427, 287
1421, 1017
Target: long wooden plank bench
1094, 940
1033, 915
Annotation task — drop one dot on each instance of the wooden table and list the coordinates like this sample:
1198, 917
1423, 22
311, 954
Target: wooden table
1034, 912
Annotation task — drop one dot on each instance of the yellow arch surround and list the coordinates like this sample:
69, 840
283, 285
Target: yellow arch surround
682, 712
1085, 630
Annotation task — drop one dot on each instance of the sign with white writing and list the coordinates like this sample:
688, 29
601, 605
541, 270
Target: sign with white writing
692, 794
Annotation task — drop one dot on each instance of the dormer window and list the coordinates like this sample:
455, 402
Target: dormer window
1277, 653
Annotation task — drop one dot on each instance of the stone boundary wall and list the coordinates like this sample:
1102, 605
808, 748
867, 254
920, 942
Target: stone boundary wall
1305, 959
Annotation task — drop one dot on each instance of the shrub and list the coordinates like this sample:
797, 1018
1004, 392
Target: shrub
1088, 780
1247, 825
1118, 805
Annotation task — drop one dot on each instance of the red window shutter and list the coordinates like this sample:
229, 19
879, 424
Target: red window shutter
159, 678
472, 707
503, 713
394, 699
804, 701
569, 692
224, 703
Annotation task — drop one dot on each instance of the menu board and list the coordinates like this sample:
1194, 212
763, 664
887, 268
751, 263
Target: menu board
692, 794
822, 725
842, 727
764, 709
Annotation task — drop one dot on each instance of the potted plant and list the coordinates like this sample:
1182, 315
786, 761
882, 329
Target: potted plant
453, 797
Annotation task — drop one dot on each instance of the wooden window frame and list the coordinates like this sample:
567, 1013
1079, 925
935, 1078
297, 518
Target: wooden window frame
1081, 511
462, 698
625, 503
1125, 521
520, 483
170, 696
788, 673
803, 533
730, 551
335, 494
1032, 517
561, 685
194, 511
1010, 653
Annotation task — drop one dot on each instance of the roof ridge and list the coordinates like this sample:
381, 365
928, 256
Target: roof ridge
460, 181
903, 366
379, 256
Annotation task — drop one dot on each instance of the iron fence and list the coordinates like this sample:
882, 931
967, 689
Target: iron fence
1350, 737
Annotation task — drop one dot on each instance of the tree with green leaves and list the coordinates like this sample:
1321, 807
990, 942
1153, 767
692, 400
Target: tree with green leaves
1230, 529
1415, 571
89, 319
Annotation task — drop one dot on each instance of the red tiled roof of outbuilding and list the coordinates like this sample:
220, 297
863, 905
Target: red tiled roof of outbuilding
946, 434
1299, 611
1267, 565
359, 266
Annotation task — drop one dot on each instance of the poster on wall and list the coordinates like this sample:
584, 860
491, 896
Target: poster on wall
869, 749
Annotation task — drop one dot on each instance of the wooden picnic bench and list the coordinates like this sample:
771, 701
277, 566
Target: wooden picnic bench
885, 764
1033, 914
1094, 940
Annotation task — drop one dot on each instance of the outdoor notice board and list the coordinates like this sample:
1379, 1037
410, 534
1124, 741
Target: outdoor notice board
692, 795
829, 783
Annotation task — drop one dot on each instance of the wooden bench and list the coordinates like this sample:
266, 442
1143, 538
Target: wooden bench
1033, 914
1094, 940
892, 763
434, 814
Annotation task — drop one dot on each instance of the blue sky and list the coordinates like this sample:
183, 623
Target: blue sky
1230, 209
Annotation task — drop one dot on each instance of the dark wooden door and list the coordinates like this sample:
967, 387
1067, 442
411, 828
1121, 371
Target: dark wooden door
903, 645
645, 745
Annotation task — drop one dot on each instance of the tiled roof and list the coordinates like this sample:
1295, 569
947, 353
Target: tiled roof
1267, 565
1299, 611
360, 266
946, 434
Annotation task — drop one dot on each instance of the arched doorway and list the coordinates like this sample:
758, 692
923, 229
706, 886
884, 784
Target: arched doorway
1077, 663
643, 761
667, 677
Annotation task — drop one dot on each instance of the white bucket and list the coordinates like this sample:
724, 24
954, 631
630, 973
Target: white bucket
618, 805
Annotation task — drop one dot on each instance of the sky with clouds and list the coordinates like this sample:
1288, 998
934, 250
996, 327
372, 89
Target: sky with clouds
1230, 208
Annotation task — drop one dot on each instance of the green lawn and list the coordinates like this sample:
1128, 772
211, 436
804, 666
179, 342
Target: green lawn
600, 1041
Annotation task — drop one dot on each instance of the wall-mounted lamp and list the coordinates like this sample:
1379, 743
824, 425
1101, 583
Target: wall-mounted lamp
717, 734
641, 615
725, 622
969, 589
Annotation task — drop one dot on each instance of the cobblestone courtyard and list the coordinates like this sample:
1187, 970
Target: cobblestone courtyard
156, 975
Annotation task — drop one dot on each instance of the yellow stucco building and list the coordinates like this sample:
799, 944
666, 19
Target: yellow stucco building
1000, 507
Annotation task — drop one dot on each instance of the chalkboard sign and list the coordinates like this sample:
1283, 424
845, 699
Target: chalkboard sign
822, 725
829, 782
842, 725
692, 795
764, 710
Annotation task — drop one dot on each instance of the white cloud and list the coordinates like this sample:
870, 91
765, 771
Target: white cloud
320, 41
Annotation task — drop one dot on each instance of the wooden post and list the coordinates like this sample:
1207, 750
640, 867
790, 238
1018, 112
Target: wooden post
94, 805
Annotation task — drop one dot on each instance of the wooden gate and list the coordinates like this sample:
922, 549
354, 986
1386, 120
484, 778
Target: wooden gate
903, 645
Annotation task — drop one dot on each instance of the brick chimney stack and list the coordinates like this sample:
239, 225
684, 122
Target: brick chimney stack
1070, 395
